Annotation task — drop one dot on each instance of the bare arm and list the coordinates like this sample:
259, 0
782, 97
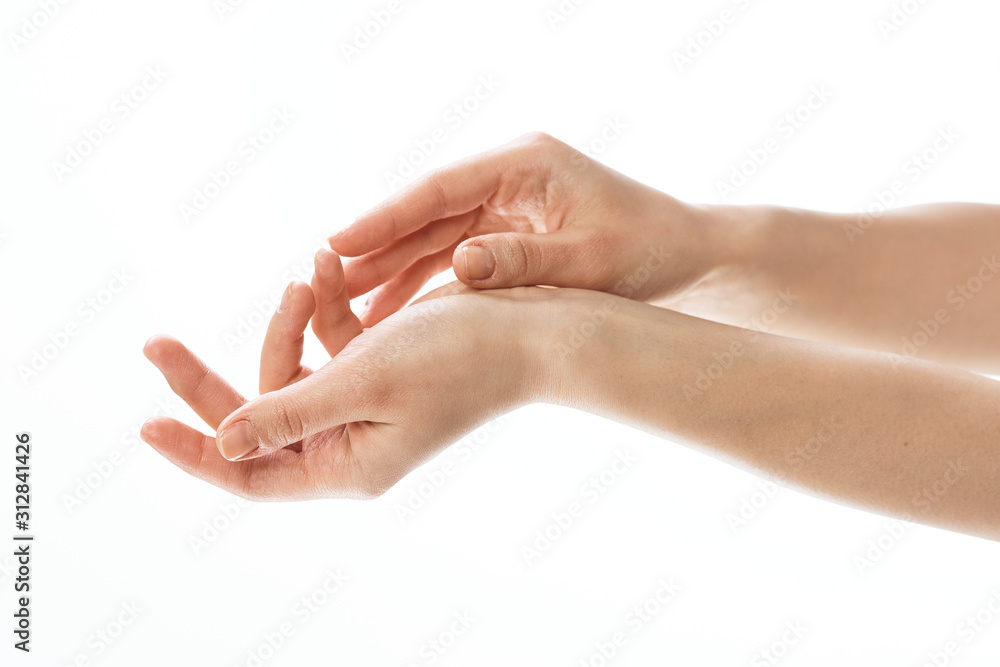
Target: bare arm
897, 436
917, 281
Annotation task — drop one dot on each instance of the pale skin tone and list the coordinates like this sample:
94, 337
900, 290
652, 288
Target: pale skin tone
829, 406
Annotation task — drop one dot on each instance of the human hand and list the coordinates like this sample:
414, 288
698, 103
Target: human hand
391, 397
532, 212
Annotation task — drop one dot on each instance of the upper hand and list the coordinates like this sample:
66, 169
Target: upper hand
533, 212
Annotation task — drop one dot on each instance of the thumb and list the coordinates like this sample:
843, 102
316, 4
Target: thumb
512, 259
286, 416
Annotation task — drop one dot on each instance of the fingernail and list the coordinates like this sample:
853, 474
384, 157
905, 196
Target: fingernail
286, 298
238, 440
479, 262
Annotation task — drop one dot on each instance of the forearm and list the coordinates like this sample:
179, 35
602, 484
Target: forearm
896, 436
917, 281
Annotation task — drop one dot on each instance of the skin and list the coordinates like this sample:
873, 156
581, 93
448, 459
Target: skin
552, 216
358, 424
888, 433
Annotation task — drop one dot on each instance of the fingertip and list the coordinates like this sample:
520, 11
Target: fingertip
237, 440
163, 351
478, 263
346, 242
328, 264
155, 345
152, 430
302, 296
336, 241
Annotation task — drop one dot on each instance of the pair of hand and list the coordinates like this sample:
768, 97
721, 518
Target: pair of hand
404, 382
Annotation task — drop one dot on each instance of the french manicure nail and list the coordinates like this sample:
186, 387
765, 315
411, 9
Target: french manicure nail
238, 440
479, 262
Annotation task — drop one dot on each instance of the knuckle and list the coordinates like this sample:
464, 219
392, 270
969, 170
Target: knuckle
602, 271
287, 422
440, 201
525, 258
535, 145
537, 138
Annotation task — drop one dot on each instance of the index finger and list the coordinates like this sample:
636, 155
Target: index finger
452, 190
284, 475
198, 385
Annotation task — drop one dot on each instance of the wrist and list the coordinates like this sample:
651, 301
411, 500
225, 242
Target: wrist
735, 244
687, 247
733, 238
589, 339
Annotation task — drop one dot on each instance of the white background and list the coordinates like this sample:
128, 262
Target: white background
129, 541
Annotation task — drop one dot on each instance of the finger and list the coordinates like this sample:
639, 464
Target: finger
281, 356
333, 323
396, 293
330, 397
382, 265
281, 476
512, 259
450, 191
211, 397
